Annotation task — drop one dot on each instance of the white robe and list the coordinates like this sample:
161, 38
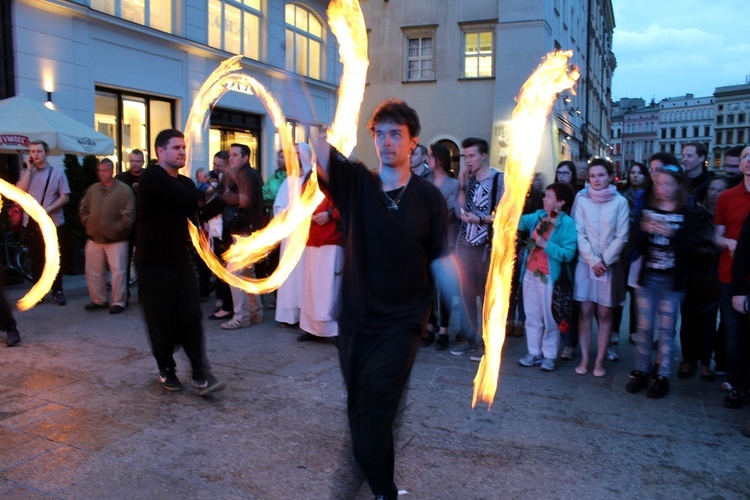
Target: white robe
322, 285
289, 294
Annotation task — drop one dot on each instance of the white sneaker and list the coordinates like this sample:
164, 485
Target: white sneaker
531, 360
235, 324
548, 365
567, 353
612, 354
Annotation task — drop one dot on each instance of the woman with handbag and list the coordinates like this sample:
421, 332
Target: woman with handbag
552, 243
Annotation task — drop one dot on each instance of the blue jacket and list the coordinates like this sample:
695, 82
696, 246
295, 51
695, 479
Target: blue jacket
561, 246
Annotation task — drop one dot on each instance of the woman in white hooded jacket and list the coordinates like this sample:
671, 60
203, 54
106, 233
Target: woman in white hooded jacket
601, 215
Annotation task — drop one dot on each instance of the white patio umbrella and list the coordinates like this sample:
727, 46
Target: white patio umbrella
23, 120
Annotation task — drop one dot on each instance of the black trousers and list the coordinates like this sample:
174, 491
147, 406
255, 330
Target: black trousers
376, 369
36, 254
223, 293
7, 321
171, 308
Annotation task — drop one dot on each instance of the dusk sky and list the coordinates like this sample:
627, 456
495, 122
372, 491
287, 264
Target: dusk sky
667, 48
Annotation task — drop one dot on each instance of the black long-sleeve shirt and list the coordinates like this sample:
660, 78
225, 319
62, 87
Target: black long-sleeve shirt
166, 203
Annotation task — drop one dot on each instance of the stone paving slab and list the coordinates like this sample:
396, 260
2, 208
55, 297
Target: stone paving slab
82, 416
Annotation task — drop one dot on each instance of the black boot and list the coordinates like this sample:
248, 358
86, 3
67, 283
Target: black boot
637, 382
659, 388
442, 342
12, 337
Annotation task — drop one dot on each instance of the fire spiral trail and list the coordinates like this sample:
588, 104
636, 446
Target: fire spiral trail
527, 126
347, 23
51, 248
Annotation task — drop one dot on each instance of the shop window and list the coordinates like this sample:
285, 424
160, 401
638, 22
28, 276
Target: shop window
133, 121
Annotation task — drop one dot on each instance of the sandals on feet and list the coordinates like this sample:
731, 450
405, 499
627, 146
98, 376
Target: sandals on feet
221, 314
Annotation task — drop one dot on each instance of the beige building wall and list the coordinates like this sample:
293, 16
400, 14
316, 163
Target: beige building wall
451, 107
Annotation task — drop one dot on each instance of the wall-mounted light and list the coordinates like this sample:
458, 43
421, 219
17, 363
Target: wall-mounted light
567, 99
49, 103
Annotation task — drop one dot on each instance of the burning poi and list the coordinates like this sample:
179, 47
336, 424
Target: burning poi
347, 24
527, 126
51, 248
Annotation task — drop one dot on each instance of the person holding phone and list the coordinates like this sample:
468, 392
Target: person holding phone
49, 187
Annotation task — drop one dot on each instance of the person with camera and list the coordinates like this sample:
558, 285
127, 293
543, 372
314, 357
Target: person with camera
243, 216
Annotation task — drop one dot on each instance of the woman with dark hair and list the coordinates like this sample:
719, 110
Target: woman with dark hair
439, 161
566, 173
602, 221
638, 182
552, 243
639, 179
664, 235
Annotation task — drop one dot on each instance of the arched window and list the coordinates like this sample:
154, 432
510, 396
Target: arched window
304, 42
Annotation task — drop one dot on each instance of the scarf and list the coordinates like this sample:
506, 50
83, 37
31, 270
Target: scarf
602, 195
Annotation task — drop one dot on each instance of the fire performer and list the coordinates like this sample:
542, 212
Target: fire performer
395, 227
169, 289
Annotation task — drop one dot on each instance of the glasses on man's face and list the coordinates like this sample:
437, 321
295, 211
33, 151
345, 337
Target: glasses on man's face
746, 157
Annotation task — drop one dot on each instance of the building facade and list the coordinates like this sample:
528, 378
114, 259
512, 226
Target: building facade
639, 134
462, 65
732, 123
685, 119
132, 68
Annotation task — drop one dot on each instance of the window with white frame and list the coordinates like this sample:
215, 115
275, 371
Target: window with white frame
304, 41
234, 26
155, 14
419, 57
479, 51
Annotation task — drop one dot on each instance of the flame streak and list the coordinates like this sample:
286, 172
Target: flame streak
347, 23
293, 222
527, 126
348, 26
51, 248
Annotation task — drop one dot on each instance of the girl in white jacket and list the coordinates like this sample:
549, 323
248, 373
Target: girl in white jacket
601, 215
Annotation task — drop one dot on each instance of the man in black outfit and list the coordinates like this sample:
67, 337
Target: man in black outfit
169, 289
136, 159
395, 226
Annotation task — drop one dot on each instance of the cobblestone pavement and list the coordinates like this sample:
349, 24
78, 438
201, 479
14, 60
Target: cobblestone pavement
82, 416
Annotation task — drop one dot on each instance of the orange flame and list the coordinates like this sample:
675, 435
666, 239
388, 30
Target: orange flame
51, 248
527, 126
348, 26
347, 23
